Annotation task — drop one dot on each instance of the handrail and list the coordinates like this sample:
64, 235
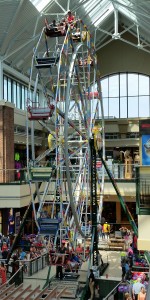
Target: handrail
106, 298
10, 279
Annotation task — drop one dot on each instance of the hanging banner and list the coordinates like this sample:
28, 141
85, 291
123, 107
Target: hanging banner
144, 130
144, 127
146, 150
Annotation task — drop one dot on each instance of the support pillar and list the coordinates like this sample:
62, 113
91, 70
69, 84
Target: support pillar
7, 172
118, 212
1, 80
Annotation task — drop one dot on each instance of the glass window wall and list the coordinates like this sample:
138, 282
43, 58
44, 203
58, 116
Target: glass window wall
15, 92
126, 95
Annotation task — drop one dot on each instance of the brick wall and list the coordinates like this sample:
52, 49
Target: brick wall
6, 144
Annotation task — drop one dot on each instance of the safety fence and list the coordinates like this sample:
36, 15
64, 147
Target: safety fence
20, 176
114, 294
20, 269
33, 266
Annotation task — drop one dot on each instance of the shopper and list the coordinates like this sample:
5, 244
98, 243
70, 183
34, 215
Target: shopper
3, 277
137, 288
127, 296
61, 253
91, 284
142, 294
123, 262
106, 229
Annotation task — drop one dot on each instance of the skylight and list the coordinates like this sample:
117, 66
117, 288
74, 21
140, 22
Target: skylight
98, 12
125, 7
40, 4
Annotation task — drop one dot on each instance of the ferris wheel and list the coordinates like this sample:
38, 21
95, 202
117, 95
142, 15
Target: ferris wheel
68, 109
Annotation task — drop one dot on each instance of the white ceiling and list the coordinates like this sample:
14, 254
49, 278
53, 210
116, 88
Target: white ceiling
21, 24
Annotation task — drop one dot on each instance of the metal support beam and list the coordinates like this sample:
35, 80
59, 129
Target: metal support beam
17, 237
94, 202
116, 35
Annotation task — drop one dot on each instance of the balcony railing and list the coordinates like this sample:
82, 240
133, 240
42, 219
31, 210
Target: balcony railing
19, 176
143, 190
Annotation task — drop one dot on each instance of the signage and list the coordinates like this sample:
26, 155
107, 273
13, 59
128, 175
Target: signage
145, 150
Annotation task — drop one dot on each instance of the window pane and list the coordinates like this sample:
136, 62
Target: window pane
132, 107
23, 97
14, 100
143, 85
18, 95
123, 107
132, 84
114, 107
104, 85
26, 96
105, 106
123, 85
144, 106
5, 88
9, 90
114, 86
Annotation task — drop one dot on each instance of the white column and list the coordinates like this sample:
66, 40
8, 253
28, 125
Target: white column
116, 21
1, 79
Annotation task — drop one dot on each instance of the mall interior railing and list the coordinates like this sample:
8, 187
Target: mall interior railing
114, 294
16, 277
20, 176
142, 190
33, 266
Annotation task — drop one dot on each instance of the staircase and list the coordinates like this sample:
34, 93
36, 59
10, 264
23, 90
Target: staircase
12, 292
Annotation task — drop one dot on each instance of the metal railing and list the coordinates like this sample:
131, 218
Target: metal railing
142, 190
19, 176
17, 277
33, 266
113, 292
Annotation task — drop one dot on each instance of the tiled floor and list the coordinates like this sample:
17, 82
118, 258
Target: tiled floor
113, 258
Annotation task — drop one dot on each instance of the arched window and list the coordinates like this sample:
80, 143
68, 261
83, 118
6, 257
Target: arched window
126, 95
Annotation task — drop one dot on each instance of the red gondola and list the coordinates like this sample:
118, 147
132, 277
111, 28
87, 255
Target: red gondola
40, 113
92, 95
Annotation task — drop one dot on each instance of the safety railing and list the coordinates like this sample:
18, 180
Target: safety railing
113, 293
33, 266
20, 175
142, 190
13, 176
17, 277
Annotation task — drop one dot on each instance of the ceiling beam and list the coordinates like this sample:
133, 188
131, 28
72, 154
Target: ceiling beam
11, 25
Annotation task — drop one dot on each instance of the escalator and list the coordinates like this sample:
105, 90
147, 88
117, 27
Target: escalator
121, 199
18, 236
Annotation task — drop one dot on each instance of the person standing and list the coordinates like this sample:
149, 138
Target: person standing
99, 229
106, 228
62, 252
3, 276
137, 288
91, 284
4, 250
11, 222
70, 17
142, 294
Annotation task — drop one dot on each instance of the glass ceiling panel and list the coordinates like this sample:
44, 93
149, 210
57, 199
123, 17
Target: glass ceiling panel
98, 12
125, 7
40, 4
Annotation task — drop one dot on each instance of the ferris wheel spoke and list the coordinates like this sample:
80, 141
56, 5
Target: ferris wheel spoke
68, 114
